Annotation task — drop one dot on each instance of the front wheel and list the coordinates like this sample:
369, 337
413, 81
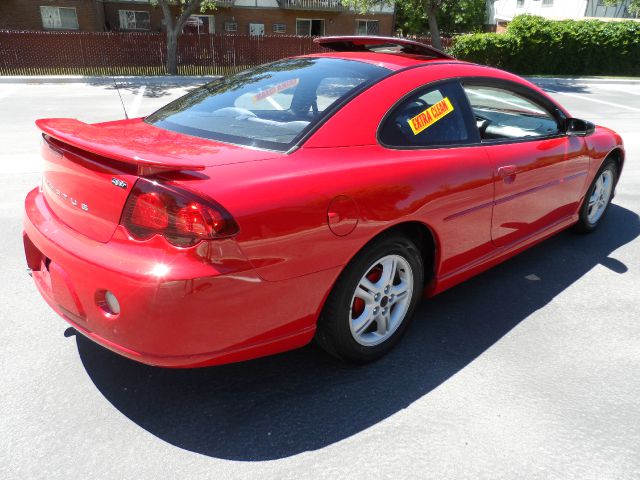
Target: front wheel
598, 197
372, 302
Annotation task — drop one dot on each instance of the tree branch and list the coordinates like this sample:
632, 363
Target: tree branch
166, 11
187, 12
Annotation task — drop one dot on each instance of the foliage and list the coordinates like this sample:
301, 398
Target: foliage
427, 9
174, 20
536, 45
203, 5
461, 16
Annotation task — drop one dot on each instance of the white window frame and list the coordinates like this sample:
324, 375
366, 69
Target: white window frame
519, 3
123, 27
324, 25
367, 21
227, 23
45, 8
275, 28
258, 25
547, 3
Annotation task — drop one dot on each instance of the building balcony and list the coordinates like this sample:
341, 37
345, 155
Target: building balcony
224, 3
321, 5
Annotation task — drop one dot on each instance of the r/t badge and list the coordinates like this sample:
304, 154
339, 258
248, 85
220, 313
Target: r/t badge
119, 183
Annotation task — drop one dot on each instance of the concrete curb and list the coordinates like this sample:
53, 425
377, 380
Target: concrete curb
149, 80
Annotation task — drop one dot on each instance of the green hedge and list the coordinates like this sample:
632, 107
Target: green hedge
535, 45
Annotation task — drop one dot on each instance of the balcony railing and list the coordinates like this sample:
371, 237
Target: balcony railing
324, 5
224, 3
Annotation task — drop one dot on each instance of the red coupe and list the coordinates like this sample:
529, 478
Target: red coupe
314, 197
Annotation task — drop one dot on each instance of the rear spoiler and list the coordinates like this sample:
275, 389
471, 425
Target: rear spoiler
356, 43
115, 145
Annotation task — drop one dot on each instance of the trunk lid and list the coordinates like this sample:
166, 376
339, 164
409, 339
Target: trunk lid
89, 170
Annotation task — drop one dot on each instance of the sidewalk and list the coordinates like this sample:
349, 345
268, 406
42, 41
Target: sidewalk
150, 79
190, 79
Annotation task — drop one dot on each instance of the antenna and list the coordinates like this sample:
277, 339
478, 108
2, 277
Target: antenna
121, 102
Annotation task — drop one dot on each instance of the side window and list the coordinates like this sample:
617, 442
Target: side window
436, 116
503, 114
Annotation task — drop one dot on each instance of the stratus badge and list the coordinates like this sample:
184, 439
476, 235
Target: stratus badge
119, 183
65, 197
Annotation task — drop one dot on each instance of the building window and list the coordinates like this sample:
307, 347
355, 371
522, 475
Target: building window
367, 27
200, 24
62, 18
547, 3
256, 29
309, 27
279, 28
520, 3
134, 20
230, 26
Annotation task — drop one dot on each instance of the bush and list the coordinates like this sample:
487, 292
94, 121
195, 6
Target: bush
535, 45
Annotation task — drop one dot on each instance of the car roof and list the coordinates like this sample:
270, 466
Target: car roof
392, 61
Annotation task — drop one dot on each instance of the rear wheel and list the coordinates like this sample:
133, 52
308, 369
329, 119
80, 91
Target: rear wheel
598, 197
371, 304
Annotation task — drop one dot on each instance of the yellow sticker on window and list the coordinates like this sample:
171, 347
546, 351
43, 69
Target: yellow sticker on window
431, 115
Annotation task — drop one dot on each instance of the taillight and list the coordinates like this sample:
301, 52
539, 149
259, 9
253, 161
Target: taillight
180, 216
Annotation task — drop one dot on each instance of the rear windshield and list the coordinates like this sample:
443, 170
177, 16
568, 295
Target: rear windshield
270, 106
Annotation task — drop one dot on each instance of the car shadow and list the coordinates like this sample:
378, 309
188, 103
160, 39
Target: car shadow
304, 400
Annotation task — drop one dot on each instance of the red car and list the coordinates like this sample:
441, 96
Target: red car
315, 197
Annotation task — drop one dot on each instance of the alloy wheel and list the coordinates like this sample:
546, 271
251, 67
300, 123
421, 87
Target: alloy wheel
381, 300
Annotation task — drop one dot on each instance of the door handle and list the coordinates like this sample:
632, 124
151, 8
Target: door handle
507, 173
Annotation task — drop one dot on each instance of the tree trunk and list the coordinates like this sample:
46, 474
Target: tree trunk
434, 30
172, 52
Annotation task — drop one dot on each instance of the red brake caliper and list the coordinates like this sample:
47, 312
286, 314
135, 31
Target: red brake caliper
358, 304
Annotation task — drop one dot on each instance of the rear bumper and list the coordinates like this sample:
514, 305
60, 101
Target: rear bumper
199, 308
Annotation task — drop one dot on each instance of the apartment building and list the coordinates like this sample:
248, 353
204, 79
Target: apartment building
255, 17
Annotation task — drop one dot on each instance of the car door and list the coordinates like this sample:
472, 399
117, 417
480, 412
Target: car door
539, 171
432, 131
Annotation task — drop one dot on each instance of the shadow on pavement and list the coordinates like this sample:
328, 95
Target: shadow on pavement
561, 85
304, 400
153, 89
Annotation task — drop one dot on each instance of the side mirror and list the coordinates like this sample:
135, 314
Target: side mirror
578, 128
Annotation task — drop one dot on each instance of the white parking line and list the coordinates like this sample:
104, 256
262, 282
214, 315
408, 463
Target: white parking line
275, 104
10, 91
616, 88
136, 102
506, 102
595, 100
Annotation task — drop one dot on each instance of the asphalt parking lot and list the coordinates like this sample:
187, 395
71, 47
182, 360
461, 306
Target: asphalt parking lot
529, 371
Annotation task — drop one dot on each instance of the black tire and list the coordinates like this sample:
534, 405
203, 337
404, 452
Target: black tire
585, 225
334, 333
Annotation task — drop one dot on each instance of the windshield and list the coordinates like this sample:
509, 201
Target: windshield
270, 106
